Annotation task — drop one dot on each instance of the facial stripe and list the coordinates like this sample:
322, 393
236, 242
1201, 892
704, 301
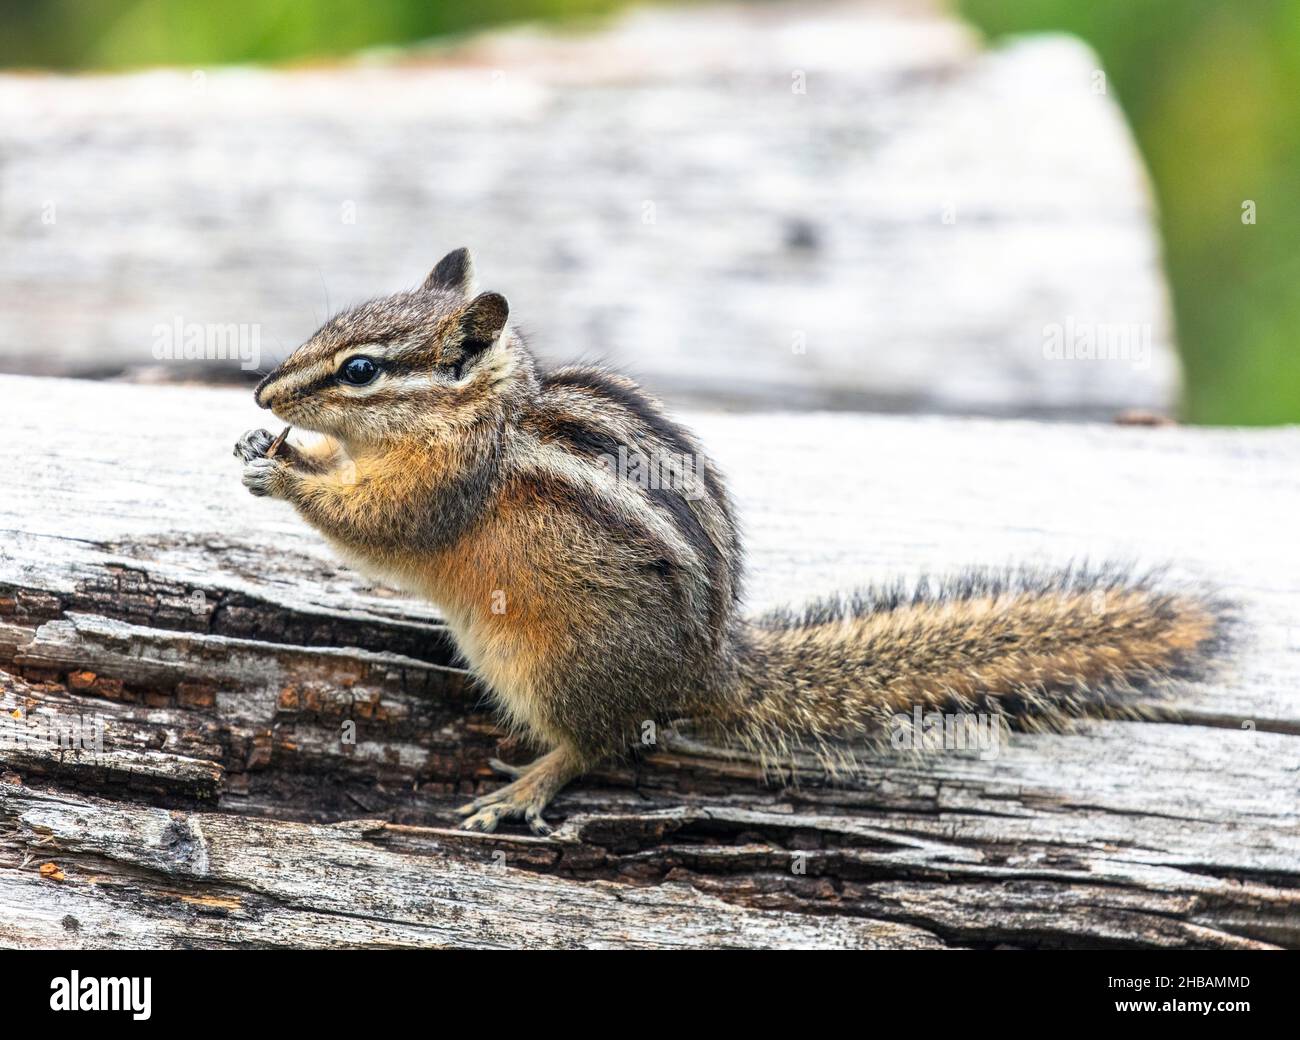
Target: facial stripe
390, 351
293, 375
282, 387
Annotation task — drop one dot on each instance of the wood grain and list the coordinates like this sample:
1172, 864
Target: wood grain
227, 654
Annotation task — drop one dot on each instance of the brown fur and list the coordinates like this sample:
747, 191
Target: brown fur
1035, 649
591, 604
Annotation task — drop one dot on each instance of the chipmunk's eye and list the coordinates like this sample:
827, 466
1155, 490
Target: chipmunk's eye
358, 371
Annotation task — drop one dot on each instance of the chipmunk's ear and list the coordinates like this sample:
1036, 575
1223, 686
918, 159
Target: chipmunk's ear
481, 323
483, 319
453, 273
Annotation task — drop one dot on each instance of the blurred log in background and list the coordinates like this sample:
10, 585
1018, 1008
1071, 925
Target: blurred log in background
845, 205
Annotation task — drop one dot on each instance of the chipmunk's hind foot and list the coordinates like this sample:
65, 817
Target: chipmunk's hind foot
524, 798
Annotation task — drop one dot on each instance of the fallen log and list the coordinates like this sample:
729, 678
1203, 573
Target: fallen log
284, 743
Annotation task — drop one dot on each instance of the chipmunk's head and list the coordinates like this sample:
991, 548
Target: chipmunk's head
411, 364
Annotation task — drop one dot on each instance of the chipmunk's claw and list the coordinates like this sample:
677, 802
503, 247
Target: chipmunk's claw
486, 820
533, 817
253, 445
259, 476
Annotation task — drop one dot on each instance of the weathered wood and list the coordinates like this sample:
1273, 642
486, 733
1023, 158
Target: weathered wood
227, 808
901, 234
155, 878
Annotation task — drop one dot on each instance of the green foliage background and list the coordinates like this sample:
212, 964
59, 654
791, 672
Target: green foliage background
103, 34
1211, 88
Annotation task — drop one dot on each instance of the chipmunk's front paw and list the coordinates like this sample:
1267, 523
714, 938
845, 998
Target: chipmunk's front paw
254, 445
263, 476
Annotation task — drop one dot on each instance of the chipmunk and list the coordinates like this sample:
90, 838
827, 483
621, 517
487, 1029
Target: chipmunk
588, 603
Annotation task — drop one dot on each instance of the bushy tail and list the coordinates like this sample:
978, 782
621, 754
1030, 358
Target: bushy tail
1033, 648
